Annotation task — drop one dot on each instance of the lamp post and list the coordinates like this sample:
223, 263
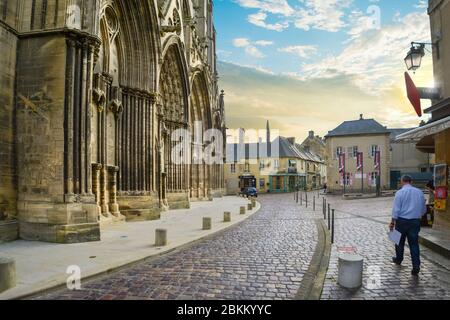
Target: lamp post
414, 57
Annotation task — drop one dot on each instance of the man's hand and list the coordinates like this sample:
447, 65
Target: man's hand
392, 225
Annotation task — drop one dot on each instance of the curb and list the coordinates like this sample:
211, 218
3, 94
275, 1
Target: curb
434, 247
312, 284
152, 257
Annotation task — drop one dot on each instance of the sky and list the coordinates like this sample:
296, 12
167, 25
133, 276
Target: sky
312, 64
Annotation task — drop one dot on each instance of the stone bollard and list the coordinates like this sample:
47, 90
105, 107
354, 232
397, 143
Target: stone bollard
226, 217
253, 202
7, 274
207, 223
161, 237
350, 271
242, 210
249, 207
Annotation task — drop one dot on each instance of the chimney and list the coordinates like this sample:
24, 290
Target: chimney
291, 140
311, 134
361, 117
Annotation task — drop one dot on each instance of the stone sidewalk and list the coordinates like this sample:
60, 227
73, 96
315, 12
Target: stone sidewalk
42, 266
361, 227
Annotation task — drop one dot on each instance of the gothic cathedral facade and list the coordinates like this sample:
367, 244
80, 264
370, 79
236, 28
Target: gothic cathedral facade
91, 94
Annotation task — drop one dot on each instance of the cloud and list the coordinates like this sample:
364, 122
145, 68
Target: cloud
254, 52
327, 15
294, 106
301, 51
259, 19
263, 43
374, 60
241, 42
281, 7
250, 48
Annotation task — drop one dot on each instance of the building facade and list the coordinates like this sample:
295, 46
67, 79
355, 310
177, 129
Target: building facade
406, 159
434, 136
365, 136
282, 167
93, 93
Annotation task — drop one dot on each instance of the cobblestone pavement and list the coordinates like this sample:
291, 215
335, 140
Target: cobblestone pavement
265, 257
361, 225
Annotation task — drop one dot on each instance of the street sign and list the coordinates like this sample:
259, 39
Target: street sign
413, 94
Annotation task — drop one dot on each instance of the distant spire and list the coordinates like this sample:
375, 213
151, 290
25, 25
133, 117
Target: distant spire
268, 140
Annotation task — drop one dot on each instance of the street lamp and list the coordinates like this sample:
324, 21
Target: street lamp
414, 57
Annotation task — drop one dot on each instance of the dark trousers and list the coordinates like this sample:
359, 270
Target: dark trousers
410, 230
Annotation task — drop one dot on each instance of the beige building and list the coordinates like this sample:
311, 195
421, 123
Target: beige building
349, 138
90, 94
315, 144
283, 167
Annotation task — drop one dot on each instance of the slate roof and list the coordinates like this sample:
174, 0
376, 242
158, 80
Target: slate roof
396, 132
259, 150
358, 127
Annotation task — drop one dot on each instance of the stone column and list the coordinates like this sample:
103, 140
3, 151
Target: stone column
113, 205
103, 191
96, 168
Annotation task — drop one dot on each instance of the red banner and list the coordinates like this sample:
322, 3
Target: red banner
359, 161
341, 162
377, 160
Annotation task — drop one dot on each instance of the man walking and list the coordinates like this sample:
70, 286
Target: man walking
409, 207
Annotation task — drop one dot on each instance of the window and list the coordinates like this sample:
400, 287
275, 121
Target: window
373, 179
338, 152
262, 165
355, 152
423, 170
262, 183
348, 179
373, 150
276, 163
233, 168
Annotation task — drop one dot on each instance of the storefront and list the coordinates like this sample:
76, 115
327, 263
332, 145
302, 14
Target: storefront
435, 138
289, 182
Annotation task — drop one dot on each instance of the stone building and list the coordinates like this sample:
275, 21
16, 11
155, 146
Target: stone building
349, 138
315, 144
281, 166
434, 136
92, 93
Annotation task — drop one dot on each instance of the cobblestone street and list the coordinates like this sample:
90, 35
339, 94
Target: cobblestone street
265, 257
361, 226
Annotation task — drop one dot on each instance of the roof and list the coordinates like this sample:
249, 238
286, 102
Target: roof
358, 127
259, 150
396, 132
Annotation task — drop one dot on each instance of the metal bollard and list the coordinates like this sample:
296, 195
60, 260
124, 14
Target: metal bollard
332, 226
301, 198
314, 203
306, 195
324, 208
329, 222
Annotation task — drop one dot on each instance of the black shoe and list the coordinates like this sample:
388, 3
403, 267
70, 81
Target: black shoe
394, 260
415, 272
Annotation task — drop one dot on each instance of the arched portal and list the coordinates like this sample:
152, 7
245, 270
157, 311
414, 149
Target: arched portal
200, 121
122, 133
174, 93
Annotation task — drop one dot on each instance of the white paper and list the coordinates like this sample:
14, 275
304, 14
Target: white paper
395, 236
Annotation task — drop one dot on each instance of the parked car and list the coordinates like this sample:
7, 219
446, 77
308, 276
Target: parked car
249, 192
